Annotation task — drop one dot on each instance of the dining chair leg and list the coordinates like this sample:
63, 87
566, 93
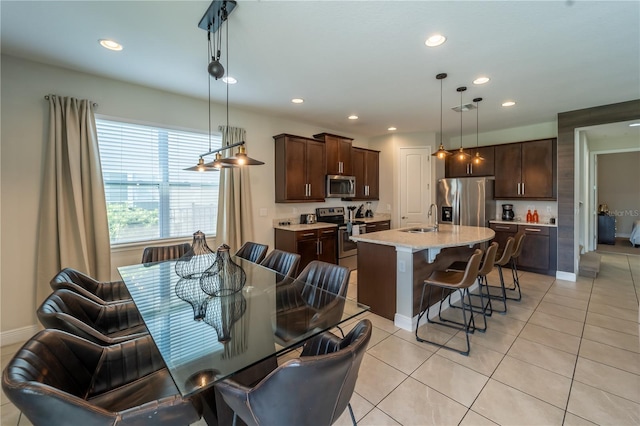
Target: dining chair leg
353, 418
516, 280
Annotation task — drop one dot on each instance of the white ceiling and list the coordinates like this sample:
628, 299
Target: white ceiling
361, 57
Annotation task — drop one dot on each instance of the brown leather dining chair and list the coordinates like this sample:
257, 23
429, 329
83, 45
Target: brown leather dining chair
451, 281
104, 324
60, 379
160, 253
283, 262
253, 252
98, 291
314, 300
314, 388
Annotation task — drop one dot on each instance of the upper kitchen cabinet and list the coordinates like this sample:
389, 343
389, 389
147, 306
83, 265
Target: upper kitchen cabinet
455, 168
338, 149
526, 170
366, 169
300, 169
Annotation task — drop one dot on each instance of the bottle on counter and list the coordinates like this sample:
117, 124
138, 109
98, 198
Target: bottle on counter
529, 216
535, 216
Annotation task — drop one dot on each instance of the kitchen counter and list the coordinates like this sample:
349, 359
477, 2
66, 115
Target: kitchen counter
376, 218
446, 236
306, 226
392, 266
515, 222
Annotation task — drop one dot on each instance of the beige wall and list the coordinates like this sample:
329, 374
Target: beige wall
619, 188
24, 126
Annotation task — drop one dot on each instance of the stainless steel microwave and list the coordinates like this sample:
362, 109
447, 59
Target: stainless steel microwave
339, 186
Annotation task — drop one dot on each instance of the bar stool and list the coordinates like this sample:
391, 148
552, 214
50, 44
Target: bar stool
452, 280
503, 259
488, 262
514, 267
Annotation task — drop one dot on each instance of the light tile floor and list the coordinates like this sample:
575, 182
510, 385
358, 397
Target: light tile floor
568, 353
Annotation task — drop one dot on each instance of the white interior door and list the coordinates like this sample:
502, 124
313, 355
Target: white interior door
415, 185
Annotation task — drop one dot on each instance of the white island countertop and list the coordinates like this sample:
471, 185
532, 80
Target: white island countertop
446, 236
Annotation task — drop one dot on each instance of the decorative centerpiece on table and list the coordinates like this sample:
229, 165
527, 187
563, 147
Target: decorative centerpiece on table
189, 290
200, 258
225, 277
223, 312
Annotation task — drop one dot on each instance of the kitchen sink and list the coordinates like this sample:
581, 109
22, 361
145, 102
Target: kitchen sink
421, 230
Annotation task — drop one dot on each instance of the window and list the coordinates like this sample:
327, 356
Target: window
149, 194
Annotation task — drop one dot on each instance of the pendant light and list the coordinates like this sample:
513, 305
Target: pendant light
441, 152
213, 19
461, 154
240, 158
477, 159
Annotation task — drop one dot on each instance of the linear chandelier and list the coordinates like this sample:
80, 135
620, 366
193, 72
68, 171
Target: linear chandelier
215, 16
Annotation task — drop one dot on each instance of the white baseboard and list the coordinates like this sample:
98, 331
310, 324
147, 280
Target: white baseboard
18, 335
566, 276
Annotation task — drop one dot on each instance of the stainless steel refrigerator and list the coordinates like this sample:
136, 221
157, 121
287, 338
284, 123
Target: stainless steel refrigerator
466, 201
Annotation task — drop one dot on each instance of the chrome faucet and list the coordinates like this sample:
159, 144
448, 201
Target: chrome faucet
435, 225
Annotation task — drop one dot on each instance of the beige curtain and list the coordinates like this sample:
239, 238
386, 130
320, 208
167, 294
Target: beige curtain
234, 225
73, 230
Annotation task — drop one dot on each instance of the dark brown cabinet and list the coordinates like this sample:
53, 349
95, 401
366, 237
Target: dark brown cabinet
366, 169
338, 152
539, 252
526, 170
299, 169
382, 225
313, 244
454, 167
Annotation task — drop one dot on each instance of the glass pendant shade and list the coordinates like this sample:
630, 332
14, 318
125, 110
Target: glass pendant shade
189, 290
197, 260
225, 277
223, 312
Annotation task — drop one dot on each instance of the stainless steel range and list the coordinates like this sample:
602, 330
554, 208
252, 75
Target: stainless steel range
347, 249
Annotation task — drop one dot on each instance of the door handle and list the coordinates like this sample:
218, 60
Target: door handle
532, 229
518, 188
470, 168
522, 188
403, 217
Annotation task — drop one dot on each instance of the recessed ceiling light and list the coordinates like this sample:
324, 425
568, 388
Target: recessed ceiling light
634, 124
508, 104
481, 80
435, 40
353, 117
392, 129
229, 80
297, 100
110, 44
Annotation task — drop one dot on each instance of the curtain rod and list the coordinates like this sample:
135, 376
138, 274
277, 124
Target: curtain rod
95, 105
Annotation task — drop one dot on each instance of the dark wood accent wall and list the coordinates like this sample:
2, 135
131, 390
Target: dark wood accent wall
567, 123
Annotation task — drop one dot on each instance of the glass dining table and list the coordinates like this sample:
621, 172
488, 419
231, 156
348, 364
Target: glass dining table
203, 338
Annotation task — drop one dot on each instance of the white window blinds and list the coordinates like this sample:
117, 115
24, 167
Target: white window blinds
149, 194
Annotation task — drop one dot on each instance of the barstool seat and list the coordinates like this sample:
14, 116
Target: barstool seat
452, 280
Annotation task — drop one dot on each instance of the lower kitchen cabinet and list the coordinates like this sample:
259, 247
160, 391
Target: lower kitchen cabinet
382, 225
539, 250
312, 244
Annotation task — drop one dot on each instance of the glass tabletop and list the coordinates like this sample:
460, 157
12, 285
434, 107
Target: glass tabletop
204, 338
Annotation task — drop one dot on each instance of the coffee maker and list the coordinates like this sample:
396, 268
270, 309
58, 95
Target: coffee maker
507, 212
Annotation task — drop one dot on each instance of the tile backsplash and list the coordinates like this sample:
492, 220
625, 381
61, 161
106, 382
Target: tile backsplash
546, 209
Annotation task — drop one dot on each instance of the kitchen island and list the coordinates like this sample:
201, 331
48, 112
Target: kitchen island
393, 264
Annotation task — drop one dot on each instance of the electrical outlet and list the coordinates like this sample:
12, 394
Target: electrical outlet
388, 207
263, 212
549, 209
401, 266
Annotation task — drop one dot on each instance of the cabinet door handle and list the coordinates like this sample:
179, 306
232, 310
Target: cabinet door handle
327, 232
309, 234
522, 188
532, 229
502, 227
470, 168
340, 167
518, 188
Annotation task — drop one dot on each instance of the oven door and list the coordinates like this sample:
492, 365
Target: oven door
346, 247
